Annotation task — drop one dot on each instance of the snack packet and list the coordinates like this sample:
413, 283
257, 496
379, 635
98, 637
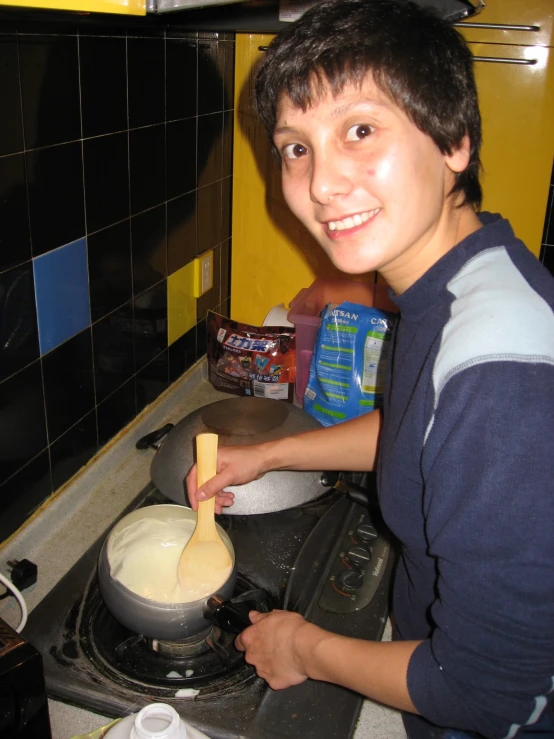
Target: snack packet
251, 360
347, 370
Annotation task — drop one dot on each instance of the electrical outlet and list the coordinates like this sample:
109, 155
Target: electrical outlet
203, 273
207, 272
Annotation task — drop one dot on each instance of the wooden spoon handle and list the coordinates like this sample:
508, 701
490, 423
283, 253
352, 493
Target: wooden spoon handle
206, 468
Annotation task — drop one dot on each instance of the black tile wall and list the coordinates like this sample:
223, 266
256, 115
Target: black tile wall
116, 138
15, 240
147, 167
109, 269
149, 251
547, 248
181, 231
106, 167
11, 128
181, 157
56, 198
146, 58
18, 327
181, 75
49, 67
68, 383
103, 67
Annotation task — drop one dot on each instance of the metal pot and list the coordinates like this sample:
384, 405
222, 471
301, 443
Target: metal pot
164, 621
237, 421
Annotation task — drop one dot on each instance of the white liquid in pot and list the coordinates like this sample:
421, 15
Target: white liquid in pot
144, 557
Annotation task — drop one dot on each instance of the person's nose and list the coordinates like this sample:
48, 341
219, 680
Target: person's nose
331, 177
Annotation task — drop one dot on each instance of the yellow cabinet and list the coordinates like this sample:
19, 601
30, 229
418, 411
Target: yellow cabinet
522, 22
516, 93
122, 7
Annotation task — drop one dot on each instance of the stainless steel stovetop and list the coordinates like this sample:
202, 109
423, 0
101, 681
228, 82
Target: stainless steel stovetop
329, 560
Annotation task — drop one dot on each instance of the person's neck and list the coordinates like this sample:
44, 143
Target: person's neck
456, 224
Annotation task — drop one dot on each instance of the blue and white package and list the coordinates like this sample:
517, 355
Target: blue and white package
347, 371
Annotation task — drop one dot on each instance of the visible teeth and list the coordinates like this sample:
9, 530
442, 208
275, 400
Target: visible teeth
352, 221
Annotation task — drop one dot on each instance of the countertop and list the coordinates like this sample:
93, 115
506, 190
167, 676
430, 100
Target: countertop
61, 531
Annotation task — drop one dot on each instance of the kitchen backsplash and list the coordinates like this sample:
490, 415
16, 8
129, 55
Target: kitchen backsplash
547, 248
115, 172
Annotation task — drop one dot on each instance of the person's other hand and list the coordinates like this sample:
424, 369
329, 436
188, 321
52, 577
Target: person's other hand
236, 465
269, 646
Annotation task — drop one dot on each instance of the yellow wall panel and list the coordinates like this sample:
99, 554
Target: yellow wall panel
121, 7
273, 255
181, 303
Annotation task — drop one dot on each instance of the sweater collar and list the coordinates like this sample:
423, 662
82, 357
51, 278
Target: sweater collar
423, 294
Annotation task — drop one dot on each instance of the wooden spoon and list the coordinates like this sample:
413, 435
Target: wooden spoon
205, 557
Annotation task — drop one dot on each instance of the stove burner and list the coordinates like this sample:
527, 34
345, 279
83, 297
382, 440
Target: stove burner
204, 659
195, 644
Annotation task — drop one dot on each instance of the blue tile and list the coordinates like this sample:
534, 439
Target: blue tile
62, 294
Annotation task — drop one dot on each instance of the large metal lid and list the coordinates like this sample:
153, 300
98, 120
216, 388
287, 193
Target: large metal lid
239, 421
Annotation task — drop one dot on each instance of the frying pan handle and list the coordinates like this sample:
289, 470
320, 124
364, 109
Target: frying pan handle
354, 492
151, 440
232, 615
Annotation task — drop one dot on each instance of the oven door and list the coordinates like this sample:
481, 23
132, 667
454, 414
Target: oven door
23, 700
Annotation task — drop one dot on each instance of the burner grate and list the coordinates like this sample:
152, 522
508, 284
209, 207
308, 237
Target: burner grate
117, 651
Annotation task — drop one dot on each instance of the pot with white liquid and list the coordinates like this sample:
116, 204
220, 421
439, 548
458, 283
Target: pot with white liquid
137, 575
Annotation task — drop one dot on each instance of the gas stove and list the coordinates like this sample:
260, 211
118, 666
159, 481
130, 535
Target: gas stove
329, 560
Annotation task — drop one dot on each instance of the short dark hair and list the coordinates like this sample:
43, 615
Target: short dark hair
418, 59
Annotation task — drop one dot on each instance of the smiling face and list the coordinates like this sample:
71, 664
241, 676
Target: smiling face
369, 185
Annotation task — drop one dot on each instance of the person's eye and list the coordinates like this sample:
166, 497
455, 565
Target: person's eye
294, 151
358, 132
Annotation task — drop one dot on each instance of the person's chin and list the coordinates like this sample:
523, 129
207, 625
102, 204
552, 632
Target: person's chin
350, 261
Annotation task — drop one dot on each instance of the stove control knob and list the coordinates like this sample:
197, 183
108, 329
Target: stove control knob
359, 556
350, 580
366, 533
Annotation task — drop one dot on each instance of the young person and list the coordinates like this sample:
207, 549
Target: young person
372, 109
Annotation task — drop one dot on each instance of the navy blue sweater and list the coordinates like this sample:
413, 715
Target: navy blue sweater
466, 481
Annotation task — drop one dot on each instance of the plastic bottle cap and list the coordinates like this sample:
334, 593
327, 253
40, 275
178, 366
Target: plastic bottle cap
158, 721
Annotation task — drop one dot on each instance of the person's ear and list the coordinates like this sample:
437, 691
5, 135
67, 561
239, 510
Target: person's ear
458, 160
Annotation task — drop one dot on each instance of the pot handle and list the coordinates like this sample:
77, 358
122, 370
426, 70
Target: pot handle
232, 615
151, 440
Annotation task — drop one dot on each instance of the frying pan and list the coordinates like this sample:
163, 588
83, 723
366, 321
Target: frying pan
237, 421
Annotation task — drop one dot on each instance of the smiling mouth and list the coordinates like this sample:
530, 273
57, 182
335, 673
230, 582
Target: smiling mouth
352, 221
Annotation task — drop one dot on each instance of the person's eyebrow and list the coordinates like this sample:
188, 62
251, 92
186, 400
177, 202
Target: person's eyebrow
365, 102
341, 111
284, 129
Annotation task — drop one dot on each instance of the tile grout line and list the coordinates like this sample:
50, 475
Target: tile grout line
79, 70
166, 240
134, 352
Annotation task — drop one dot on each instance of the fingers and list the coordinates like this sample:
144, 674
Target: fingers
236, 466
223, 500
191, 485
214, 486
254, 617
239, 644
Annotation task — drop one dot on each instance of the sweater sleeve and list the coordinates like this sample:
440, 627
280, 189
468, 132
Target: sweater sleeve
488, 467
